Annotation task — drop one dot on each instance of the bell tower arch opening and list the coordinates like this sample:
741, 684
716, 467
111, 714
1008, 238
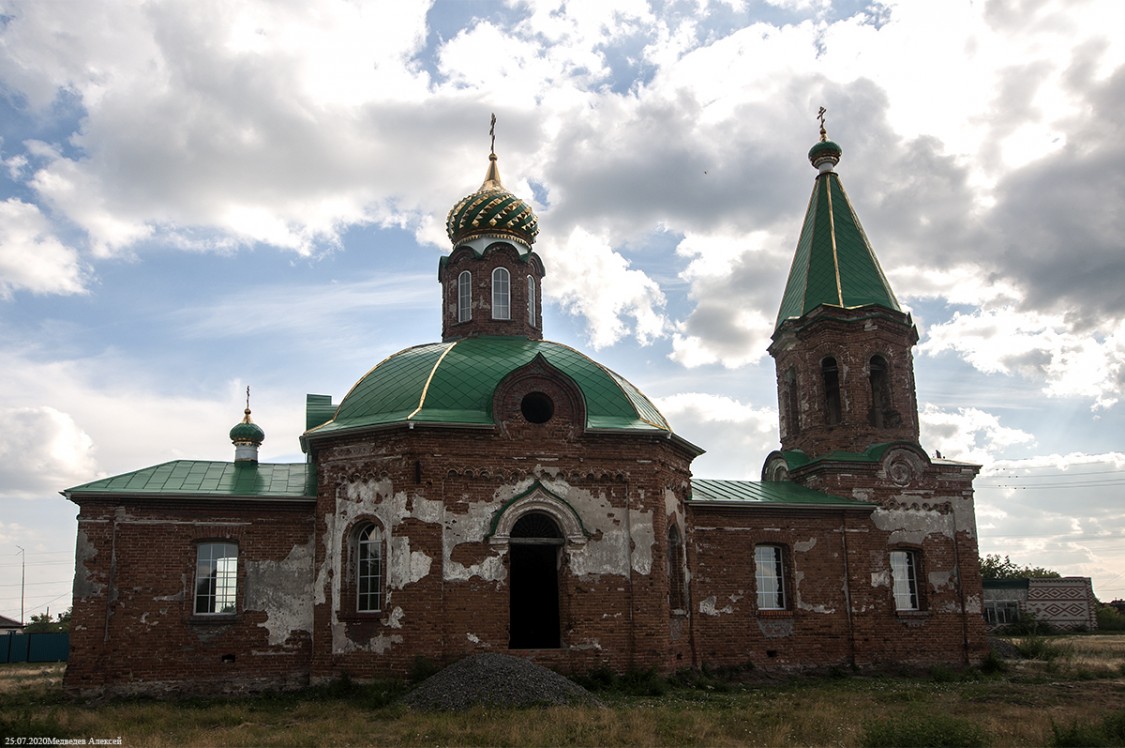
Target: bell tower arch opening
533, 581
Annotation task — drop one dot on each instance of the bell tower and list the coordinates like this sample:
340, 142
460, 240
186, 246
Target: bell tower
841, 345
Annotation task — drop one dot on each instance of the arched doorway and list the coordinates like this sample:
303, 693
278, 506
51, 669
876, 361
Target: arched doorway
533, 581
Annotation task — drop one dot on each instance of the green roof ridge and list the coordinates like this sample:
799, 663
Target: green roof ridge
834, 263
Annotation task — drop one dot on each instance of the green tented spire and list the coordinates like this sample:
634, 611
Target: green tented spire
834, 264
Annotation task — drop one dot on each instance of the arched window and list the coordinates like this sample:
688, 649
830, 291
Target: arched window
531, 301
464, 296
369, 569
792, 417
676, 600
880, 391
831, 376
501, 294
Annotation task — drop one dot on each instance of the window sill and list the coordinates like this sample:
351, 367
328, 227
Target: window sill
212, 619
352, 615
912, 614
775, 613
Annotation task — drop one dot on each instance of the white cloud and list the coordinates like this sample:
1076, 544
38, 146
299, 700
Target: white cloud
1041, 347
31, 257
967, 434
42, 450
591, 279
735, 434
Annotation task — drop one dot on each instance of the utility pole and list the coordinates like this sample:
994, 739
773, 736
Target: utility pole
23, 569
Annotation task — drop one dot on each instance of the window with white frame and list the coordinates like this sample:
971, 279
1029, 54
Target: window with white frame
904, 573
216, 578
769, 576
369, 569
464, 296
1001, 612
501, 294
531, 301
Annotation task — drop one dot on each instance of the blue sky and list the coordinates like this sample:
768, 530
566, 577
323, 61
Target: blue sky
196, 197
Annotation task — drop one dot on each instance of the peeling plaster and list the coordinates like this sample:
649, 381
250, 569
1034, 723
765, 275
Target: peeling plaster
408, 566
470, 527
941, 579
395, 618
804, 546
644, 540
881, 578
707, 607
911, 526
84, 585
473, 638
281, 590
373, 498
798, 578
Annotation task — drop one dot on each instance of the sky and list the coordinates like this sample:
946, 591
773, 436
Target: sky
197, 197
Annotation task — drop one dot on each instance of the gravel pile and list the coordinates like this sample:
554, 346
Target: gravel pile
495, 680
1005, 650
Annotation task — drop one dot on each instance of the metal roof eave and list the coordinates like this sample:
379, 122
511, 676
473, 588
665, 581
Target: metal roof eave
204, 496
748, 504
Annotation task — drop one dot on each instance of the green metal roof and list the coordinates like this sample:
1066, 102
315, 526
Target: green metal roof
834, 263
785, 493
213, 479
453, 383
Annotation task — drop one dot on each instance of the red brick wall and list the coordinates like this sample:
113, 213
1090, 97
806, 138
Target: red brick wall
133, 627
852, 337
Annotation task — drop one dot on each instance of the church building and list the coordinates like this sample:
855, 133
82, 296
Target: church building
498, 492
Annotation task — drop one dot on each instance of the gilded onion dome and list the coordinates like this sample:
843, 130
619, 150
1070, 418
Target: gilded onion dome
246, 431
492, 211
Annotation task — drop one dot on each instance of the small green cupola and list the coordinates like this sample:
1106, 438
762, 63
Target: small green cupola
246, 436
834, 264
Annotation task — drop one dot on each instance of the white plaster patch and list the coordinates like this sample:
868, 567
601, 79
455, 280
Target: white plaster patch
281, 590
940, 579
804, 546
470, 527
473, 638
973, 604
405, 566
394, 620
707, 607
644, 540
911, 526
881, 579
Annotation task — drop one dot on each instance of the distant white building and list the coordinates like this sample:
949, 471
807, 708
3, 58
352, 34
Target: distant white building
1066, 603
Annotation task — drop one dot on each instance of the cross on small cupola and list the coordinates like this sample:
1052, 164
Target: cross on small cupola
246, 436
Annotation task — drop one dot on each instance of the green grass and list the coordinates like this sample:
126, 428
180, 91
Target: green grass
1064, 700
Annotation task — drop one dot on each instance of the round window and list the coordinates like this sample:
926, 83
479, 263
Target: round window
537, 407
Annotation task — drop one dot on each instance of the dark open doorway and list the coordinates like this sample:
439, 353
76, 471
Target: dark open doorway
534, 583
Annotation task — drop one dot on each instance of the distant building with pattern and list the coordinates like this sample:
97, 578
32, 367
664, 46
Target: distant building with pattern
497, 492
1064, 603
